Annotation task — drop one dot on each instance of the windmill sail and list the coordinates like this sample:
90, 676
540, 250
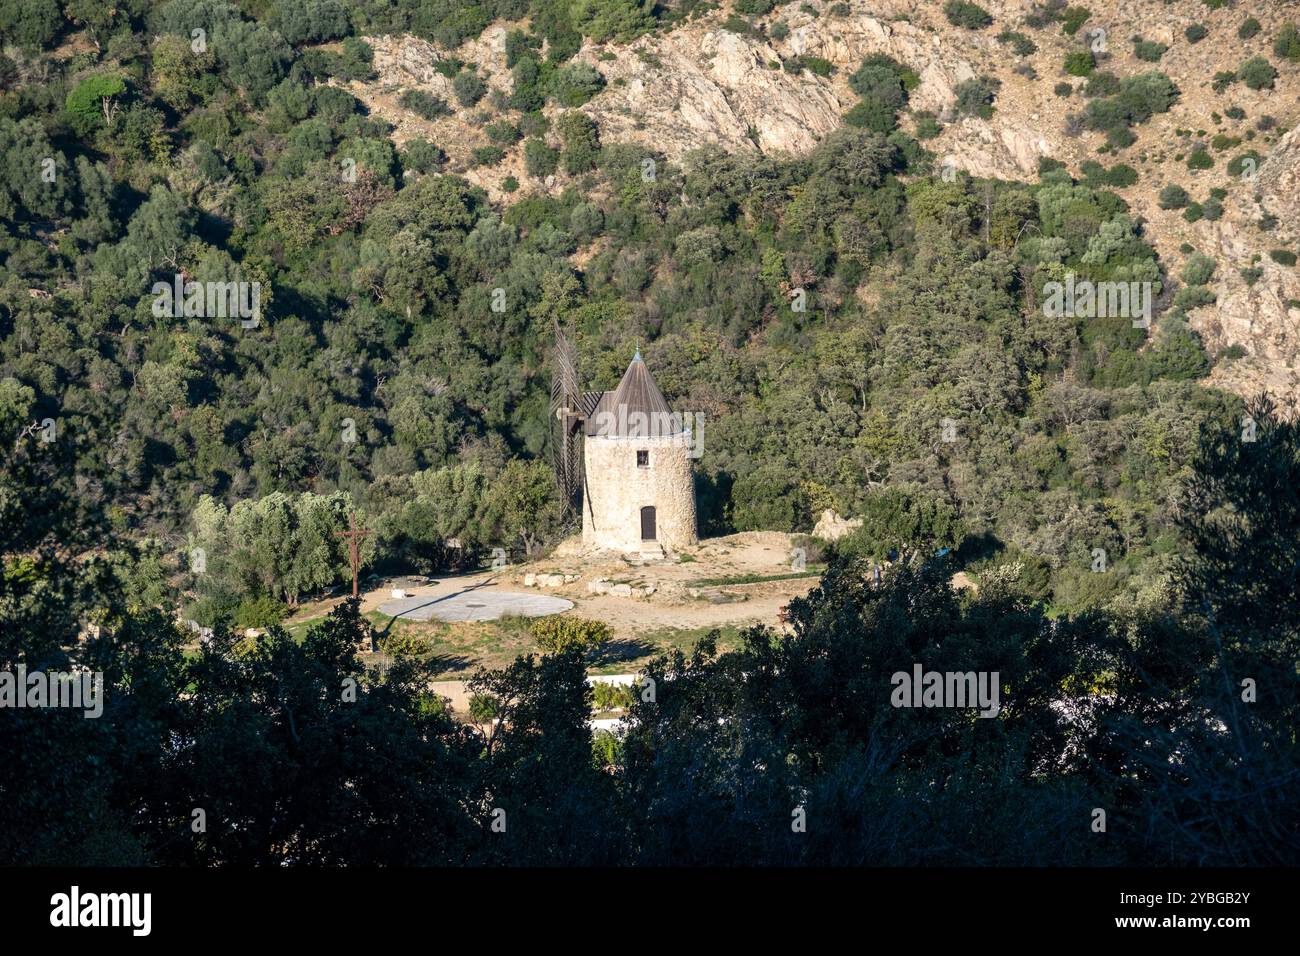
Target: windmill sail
566, 417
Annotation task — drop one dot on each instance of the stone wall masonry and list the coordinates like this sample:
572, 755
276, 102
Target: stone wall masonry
616, 491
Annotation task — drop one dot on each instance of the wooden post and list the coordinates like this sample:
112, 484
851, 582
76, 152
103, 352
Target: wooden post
354, 536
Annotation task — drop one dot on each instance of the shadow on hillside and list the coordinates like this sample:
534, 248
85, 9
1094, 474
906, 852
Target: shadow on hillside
450, 663
620, 650
430, 603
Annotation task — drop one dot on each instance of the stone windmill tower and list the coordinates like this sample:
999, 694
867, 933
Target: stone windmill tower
637, 483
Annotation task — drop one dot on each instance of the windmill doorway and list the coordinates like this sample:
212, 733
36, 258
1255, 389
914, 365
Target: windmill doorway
648, 524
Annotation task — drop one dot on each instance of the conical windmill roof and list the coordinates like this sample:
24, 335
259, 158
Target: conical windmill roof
636, 409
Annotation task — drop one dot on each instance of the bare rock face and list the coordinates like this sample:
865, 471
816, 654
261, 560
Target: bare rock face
697, 87
1262, 317
715, 88
701, 85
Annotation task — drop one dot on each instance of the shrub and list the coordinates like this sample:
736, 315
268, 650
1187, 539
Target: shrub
599, 19
1101, 83
423, 103
422, 156
817, 65
1079, 62
575, 83
1173, 196
468, 87
405, 644
1212, 210
1120, 137
871, 115
1146, 94
448, 67
1249, 28
1196, 33
1073, 18
607, 749
1200, 159
259, 612
1193, 212
607, 696
975, 97
534, 124
1148, 50
754, 8
502, 133
558, 633
1020, 44
357, 59
581, 142
518, 45
1138, 98
961, 13
1257, 73
1121, 175
1283, 257
779, 30
528, 85
927, 127
882, 83
883, 77
301, 22
1247, 161
1063, 89
1198, 270
1222, 80
1287, 44
488, 155
540, 160
1192, 297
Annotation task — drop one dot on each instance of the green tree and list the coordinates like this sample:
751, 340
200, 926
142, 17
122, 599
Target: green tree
32, 24
581, 142
559, 633
93, 103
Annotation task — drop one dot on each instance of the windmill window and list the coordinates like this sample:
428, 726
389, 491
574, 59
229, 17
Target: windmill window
643, 458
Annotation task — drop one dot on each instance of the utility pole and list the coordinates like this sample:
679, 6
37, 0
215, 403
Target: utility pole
354, 536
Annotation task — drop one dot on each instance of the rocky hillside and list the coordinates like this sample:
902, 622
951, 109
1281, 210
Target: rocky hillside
719, 79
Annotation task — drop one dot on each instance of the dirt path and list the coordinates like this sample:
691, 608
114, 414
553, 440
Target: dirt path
713, 586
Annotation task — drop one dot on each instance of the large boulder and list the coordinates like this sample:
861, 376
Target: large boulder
831, 527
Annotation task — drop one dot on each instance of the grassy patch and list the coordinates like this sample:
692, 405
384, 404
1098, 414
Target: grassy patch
639, 651
757, 578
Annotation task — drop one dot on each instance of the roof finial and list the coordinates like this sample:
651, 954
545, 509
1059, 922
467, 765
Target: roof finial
637, 357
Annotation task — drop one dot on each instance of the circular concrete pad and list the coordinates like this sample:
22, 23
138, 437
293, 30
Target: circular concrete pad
474, 606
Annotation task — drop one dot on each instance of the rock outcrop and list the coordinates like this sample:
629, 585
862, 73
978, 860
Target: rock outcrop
831, 527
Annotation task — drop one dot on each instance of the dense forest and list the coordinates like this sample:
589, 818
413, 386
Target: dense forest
1155, 735
859, 331
824, 315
